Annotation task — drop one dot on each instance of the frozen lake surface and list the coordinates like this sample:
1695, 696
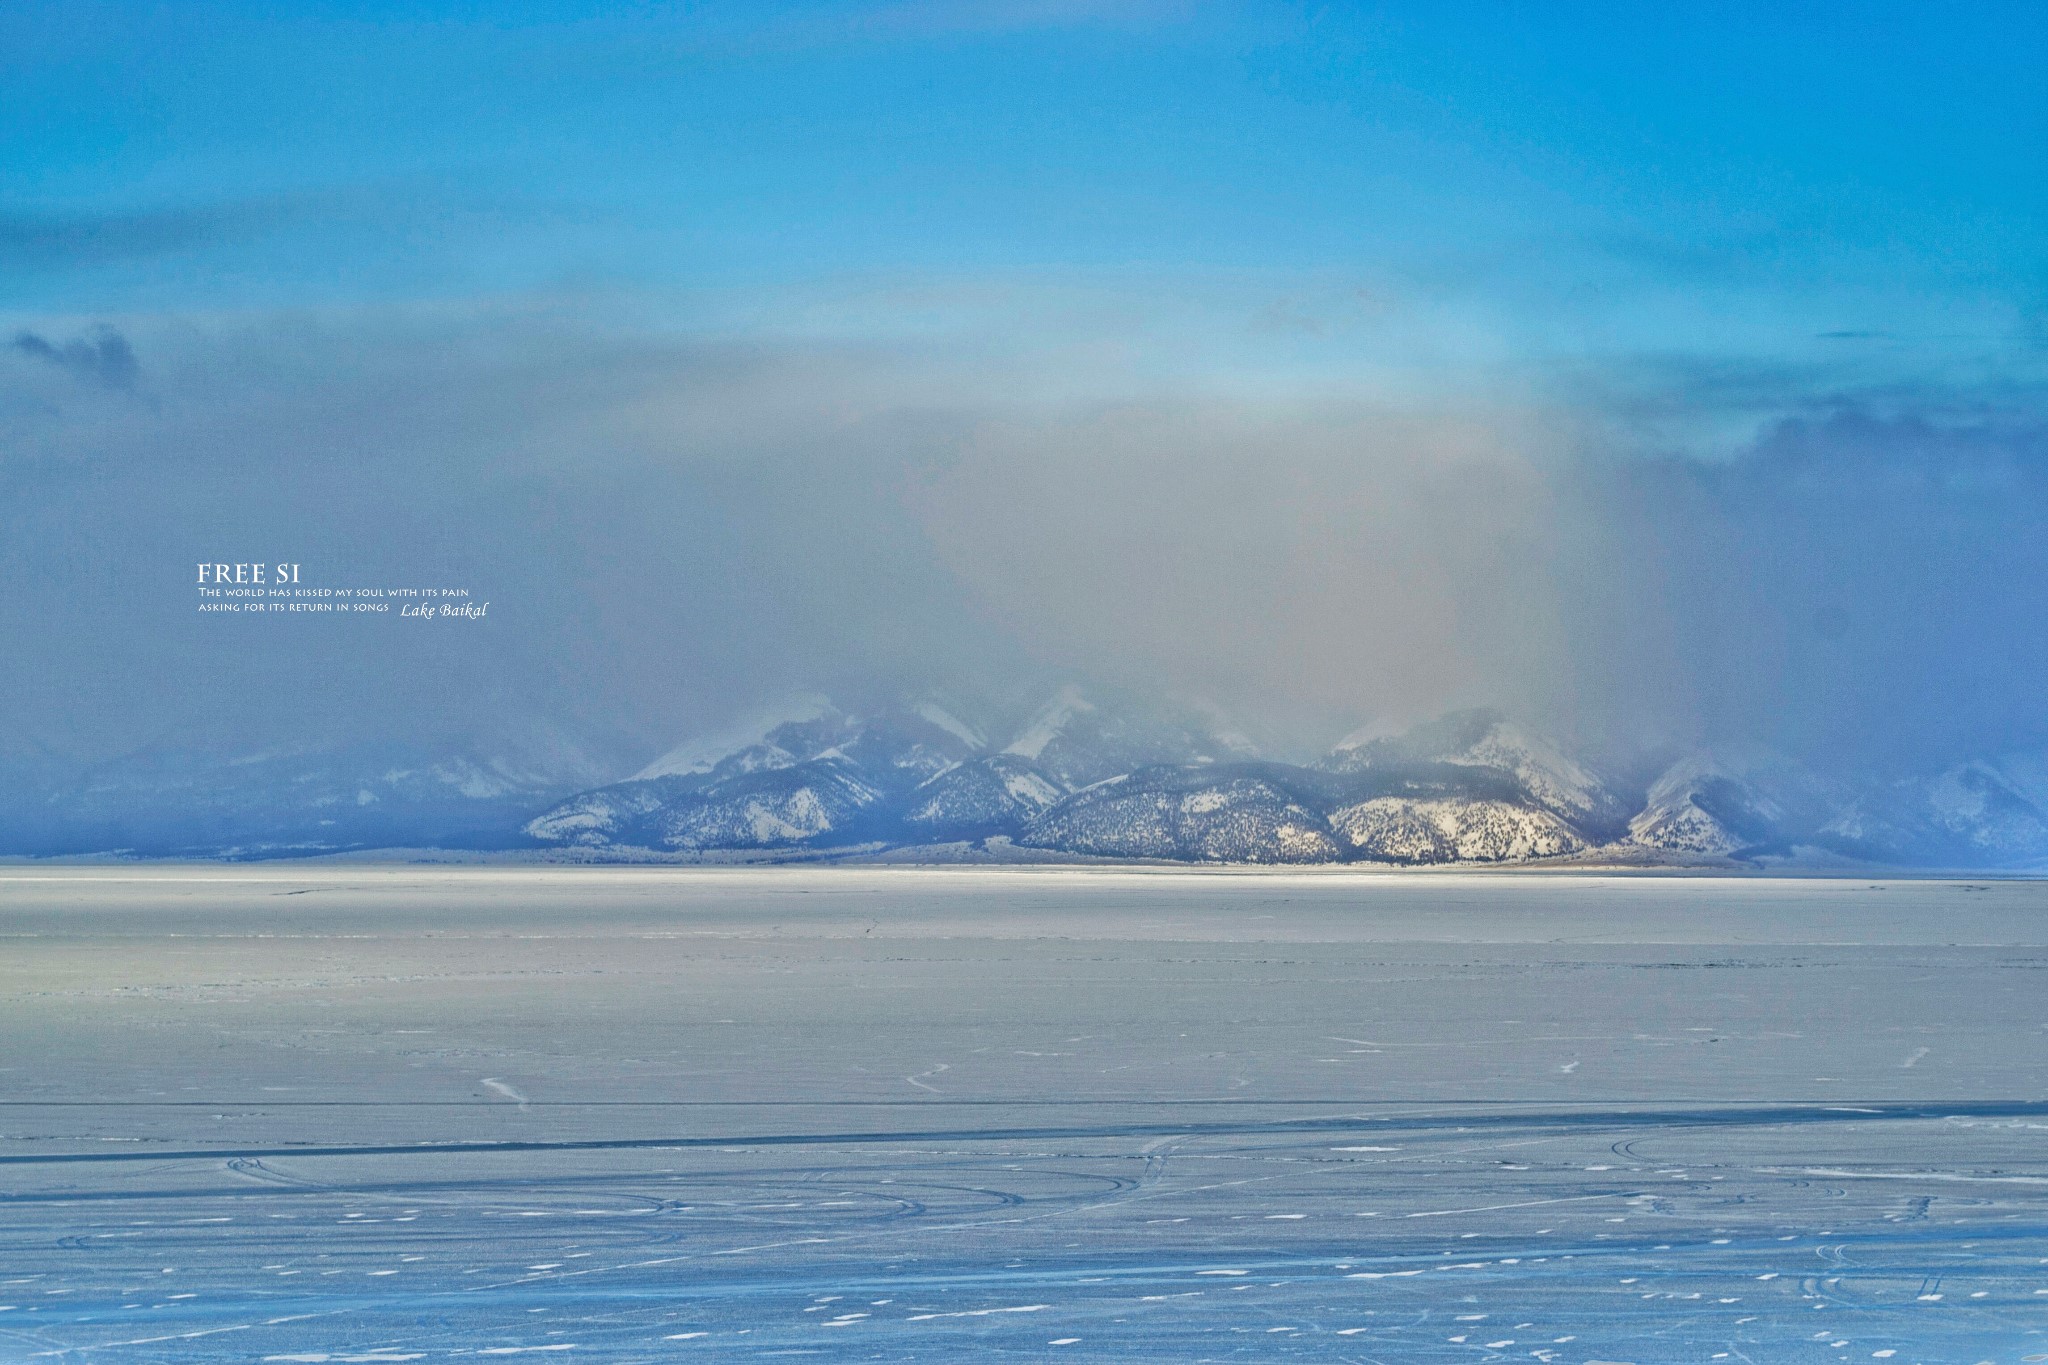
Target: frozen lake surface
381, 1114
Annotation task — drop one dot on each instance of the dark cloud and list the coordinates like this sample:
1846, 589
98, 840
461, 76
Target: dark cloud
1859, 588
45, 243
43, 240
104, 357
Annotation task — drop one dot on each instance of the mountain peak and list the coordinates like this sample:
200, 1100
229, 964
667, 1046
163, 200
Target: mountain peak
702, 752
1485, 738
1050, 722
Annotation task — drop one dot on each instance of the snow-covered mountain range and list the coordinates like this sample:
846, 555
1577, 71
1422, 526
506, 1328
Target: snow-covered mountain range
1087, 776
1078, 775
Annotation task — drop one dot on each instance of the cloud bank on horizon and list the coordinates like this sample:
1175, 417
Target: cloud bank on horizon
1666, 378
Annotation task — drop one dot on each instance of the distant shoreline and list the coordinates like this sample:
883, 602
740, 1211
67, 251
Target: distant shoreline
547, 861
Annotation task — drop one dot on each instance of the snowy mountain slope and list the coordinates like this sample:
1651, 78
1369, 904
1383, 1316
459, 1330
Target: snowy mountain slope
904, 748
821, 799
1549, 777
990, 795
1078, 738
1471, 786
929, 772
1987, 813
934, 714
702, 753
814, 776
1726, 804
610, 815
1400, 829
1206, 813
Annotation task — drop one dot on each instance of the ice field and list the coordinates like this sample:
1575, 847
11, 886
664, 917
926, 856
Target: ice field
333, 1113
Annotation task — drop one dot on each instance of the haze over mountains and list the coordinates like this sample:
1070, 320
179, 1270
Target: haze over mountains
1323, 362
1077, 774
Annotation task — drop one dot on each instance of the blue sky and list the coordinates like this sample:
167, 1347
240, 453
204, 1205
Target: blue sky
1571, 357
1857, 186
